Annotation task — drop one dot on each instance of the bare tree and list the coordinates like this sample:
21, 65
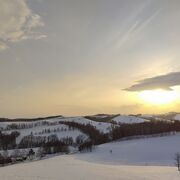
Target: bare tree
177, 161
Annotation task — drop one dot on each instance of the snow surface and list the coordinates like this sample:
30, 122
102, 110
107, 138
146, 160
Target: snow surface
101, 126
138, 159
128, 119
104, 127
147, 151
36, 130
67, 167
177, 117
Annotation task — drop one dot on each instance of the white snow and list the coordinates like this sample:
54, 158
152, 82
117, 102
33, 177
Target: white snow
138, 159
36, 130
128, 119
177, 117
36, 127
101, 126
147, 151
67, 167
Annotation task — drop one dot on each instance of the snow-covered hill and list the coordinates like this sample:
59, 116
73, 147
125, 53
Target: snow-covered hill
101, 126
164, 117
41, 131
62, 131
142, 159
128, 119
144, 151
68, 167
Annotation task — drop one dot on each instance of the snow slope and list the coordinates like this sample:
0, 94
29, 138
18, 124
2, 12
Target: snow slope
101, 126
147, 151
37, 132
130, 160
67, 167
128, 119
37, 127
177, 117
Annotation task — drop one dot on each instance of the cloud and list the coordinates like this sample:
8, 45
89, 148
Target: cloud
17, 22
165, 82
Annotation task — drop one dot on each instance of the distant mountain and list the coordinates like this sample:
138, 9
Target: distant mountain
29, 119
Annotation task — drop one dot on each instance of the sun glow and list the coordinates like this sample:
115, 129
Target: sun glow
158, 97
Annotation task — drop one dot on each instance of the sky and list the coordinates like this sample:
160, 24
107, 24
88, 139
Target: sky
77, 57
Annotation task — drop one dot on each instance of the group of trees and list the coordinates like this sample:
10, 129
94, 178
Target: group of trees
49, 145
8, 141
103, 118
67, 141
29, 119
145, 128
52, 144
94, 135
55, 147
86, 146
16, 126
32, 141
16, 156
55, 130
80, 139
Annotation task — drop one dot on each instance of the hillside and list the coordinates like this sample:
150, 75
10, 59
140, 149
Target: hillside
20, 140
124, 119
100, 164
90, 127
143, 151
142, 157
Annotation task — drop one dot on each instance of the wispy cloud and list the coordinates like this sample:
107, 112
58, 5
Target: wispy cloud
165, 82
136, 28
17, 22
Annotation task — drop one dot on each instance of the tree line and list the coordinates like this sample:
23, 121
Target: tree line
144, 128
8, 141
92, 132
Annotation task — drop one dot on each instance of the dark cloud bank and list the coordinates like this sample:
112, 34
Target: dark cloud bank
165, 82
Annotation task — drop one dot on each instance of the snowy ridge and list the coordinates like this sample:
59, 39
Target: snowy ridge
129, 119
101, 126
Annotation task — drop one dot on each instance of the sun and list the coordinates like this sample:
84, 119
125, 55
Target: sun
158, 97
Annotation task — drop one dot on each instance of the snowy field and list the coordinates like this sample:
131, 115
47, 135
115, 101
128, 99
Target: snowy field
129, 119
140, 159
67, 167
147, 151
